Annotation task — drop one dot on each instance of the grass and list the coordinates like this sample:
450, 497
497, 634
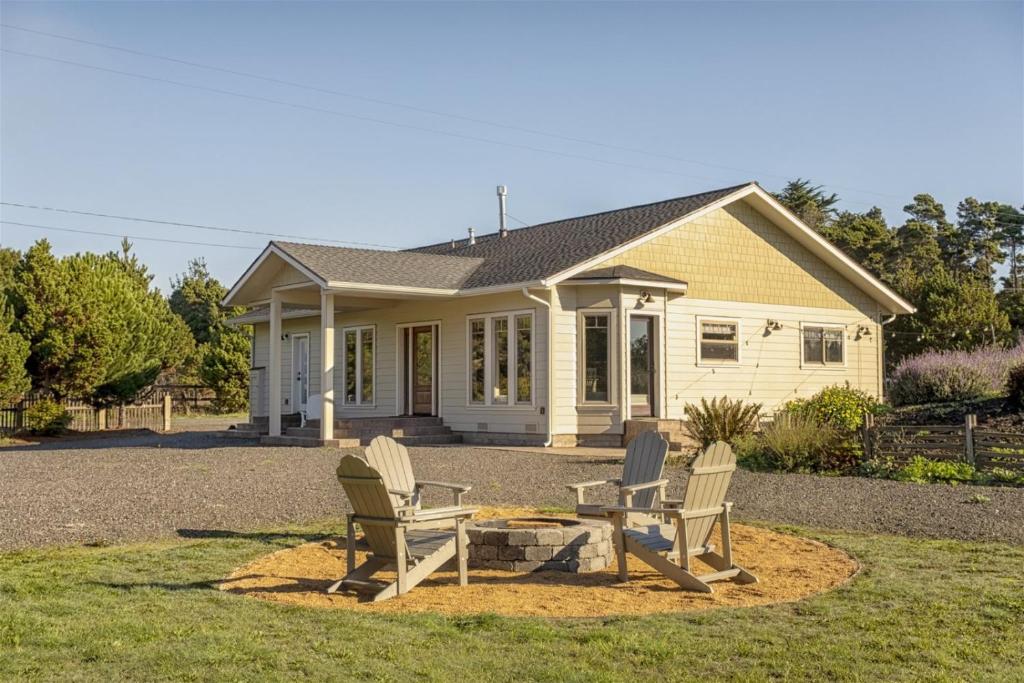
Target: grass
935, 610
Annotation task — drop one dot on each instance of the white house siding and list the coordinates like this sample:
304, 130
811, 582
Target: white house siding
452, 376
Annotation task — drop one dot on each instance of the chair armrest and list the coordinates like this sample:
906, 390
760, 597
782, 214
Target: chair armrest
633, 488
591, 484
614, 510
440, 513
462, 488
403, 494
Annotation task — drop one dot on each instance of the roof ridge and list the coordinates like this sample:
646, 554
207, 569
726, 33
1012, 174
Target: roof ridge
730, 188
285, 243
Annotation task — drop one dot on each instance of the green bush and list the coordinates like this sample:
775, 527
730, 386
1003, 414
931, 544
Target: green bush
1002, 475
47, 418
797, 442
720, 420
840, 407
921, 470
1015, 386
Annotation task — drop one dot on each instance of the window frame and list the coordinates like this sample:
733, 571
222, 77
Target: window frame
712, 362
489, 360
822, 364
359, 402
612, 314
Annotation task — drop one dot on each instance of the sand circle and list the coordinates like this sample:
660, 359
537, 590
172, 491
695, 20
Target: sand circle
788, 568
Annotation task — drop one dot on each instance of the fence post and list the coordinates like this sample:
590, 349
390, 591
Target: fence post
167, 412
970, 422
869, 423
101, 419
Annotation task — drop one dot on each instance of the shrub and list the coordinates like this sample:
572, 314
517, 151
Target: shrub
921, 470
797, 442
840, 407
721, 420
943, 376
46, 417
1015, 386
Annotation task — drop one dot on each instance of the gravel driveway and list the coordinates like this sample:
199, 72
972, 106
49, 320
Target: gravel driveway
146, 486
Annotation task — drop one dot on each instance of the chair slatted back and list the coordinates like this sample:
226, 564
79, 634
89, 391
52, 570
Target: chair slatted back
709, 480
645, 461
391, 459
369, 497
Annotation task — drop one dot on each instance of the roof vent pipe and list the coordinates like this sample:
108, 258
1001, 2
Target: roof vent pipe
472, 236
502, 196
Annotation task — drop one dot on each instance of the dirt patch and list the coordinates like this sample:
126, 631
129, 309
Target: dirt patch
788, 568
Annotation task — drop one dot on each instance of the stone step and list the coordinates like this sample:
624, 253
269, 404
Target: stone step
396, 432
424, 440
380, 423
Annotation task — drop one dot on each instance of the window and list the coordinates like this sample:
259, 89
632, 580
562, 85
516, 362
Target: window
357, 365
500, 354
596, 357
823, 345
719, 341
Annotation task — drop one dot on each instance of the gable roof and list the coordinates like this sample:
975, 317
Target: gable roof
542, 251
623, 273
548, 253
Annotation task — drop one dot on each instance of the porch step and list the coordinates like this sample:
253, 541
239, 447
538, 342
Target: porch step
385, 423
350, 432
423, 440
242, 430
670, 430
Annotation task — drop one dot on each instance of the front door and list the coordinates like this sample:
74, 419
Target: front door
641, 366
422, 370
300, 372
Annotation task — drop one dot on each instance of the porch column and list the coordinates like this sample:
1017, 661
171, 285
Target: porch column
326, 365
275, 364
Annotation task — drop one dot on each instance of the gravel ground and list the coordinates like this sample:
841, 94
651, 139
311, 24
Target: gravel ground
190, 483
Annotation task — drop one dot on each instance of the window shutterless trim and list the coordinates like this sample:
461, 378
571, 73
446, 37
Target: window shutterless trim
581, 351
358, 370
712, 362
489, 360
823, 364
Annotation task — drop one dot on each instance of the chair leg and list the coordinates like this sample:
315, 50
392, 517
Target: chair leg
460, 551
620, 548
350, 545
401, 561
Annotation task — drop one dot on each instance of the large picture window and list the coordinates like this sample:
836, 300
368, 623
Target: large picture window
500, 358
357, 364
823, 345
719, 341
596, 357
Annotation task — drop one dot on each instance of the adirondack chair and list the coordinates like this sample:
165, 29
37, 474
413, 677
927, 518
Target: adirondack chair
641, 480
391, 459
668, 548
400, 538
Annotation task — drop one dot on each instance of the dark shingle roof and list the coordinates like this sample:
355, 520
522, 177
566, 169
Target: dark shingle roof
370, 266
261, 314
541, 251
623, 273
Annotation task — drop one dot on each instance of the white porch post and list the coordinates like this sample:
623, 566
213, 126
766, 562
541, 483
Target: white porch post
275, 364
327, 365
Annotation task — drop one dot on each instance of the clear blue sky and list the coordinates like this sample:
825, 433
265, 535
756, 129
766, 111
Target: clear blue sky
877, 101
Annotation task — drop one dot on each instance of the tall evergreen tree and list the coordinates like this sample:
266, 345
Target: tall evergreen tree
809, 202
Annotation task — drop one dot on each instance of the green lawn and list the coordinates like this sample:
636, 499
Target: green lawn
935, 610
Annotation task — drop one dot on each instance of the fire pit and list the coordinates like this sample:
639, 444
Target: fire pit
528, 544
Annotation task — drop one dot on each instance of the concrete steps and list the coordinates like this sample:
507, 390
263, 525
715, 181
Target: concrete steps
670, 430
352, 432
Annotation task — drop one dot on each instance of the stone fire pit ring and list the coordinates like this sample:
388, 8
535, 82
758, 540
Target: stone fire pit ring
529, 544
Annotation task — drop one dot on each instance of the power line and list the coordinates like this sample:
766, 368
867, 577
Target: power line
133, 237
156, 221
424, 110
357, 117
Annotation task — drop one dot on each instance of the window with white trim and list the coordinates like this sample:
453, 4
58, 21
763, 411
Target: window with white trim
719, 341
357, 362
500, 358
823, 345
596, 357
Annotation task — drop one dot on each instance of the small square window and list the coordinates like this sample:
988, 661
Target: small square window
719, 341
823, 345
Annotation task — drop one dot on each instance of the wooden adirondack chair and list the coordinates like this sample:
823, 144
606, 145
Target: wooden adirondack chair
669, 547
400, 538
641, 480
391, 459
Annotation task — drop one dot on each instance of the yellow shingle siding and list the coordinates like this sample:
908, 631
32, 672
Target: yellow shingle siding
736, 254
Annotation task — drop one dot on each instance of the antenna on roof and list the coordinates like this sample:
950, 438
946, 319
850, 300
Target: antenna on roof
502, 196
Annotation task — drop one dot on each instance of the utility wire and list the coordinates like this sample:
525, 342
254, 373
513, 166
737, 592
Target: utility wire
132, 237
424, 110
244, 231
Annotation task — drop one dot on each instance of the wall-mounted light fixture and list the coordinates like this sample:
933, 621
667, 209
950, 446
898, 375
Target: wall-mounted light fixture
862, 331
644, 298
285, 337
773, 326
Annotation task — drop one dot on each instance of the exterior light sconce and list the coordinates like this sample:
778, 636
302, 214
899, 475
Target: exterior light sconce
644, 298
285, 337
773, 326
863, 331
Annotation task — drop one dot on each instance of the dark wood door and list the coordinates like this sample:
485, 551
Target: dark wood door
641, 366
422, 370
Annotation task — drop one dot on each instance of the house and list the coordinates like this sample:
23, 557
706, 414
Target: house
565, 332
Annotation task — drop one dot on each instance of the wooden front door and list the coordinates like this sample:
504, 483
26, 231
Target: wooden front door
422, 370
641, 366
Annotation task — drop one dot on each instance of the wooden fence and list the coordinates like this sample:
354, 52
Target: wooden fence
154, 413
982, 448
